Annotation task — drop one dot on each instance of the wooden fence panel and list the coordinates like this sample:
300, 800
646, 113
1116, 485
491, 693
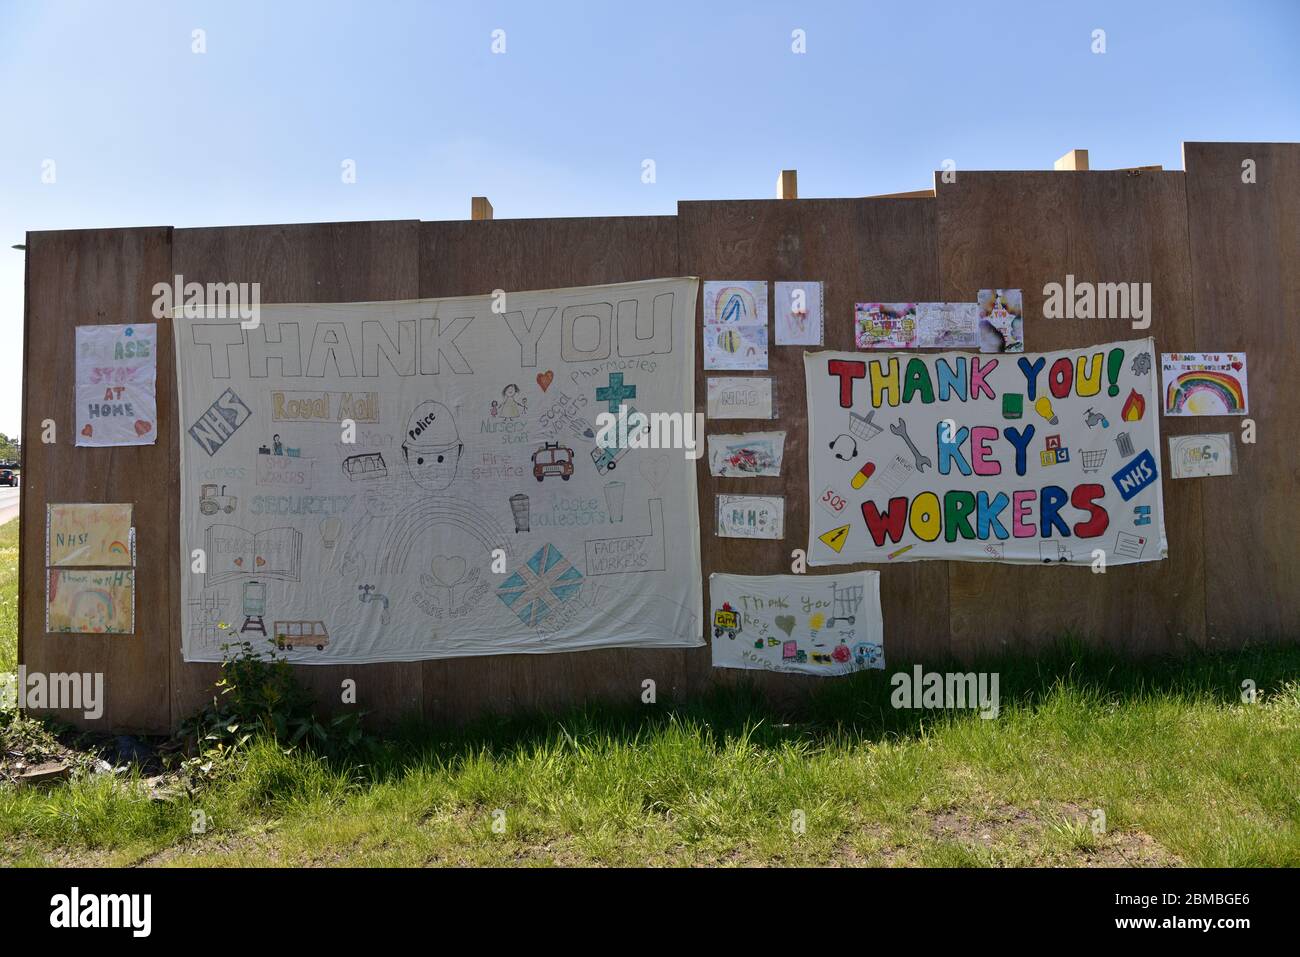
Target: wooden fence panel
327, 262
1245, 254
475, 258
1024, 230
97, 277
862, 249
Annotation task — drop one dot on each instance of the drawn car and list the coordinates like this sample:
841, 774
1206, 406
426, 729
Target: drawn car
726, 621
292, 634
553, 459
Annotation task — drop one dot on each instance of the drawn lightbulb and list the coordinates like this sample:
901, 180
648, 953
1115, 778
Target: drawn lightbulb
1043, 406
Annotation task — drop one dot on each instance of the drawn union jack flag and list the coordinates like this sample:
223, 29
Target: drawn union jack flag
546, 579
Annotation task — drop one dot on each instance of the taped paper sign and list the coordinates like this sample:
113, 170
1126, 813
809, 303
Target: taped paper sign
740, 397
1204, 383
735, 325
116, 372
885, 325
1199, 456
742, 456
89, 533
1045, 458
90, 602
807, 624
431, 479
750, 516
947, 325
1001, 320
798, 313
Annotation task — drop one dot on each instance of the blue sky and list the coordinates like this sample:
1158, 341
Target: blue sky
145, 132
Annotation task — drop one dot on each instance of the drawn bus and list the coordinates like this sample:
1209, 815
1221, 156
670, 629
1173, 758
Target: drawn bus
292, 634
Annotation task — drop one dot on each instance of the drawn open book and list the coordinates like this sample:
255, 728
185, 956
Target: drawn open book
234, 552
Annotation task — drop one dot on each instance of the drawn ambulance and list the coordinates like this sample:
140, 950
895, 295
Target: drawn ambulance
606, 460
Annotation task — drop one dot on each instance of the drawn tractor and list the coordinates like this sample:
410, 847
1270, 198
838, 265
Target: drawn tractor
210, 502
726, 621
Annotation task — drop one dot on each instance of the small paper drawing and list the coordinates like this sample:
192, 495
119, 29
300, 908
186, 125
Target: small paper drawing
798, 313
1001, 320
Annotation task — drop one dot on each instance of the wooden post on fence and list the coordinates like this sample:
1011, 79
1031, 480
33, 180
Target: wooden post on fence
480, 208
1075, 159
787, 184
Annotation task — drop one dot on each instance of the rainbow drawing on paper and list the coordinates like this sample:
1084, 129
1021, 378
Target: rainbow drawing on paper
1206, 393
1205, 383
90, 602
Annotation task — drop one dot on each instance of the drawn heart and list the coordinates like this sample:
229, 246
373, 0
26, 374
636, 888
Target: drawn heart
785, 623
86, 430
654, 470
259, 561
141, 426
544, 379
1237, 366
447, 571
239, 563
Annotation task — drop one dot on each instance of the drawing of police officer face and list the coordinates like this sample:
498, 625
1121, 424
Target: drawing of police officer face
432, 447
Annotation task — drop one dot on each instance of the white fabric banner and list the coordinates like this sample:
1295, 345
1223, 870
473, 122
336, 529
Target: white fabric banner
805, 624
1041, 458
397, 481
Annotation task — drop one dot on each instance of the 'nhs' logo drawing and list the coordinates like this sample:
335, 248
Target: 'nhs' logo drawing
1135, 475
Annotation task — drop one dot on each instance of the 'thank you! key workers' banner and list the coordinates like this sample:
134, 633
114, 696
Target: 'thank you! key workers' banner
397, 481
1040, 458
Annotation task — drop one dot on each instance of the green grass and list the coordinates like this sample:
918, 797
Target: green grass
9, 596
1184, 771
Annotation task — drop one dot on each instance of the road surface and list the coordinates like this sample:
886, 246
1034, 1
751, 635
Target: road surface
8, 503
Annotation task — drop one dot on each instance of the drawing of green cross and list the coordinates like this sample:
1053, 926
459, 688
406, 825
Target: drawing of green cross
615, 392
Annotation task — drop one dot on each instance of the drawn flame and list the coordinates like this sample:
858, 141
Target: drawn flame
1134, 407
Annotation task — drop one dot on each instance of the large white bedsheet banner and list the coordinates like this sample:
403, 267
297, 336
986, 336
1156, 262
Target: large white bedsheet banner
1047, 457
349, 472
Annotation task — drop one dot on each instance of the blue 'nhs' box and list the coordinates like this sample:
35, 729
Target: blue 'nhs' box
1135, 475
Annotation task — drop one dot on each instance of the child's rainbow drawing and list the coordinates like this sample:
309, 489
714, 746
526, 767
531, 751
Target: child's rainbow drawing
1204, 383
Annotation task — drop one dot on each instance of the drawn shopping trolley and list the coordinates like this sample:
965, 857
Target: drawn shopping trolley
863, 427
846, 602
1092, 459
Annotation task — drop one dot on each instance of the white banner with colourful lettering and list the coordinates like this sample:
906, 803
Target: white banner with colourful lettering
397, 481
1042, 458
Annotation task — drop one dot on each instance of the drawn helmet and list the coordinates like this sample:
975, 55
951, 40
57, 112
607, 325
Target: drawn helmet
432, 445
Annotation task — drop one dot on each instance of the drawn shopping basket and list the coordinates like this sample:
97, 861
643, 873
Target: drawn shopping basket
847, 601
1092, 459
862, 426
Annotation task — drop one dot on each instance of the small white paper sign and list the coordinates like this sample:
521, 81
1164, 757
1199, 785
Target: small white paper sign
1200, 456
739, 397
798, 313
751, 516
116, 372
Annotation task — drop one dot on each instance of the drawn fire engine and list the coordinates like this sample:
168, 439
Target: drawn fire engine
553, 459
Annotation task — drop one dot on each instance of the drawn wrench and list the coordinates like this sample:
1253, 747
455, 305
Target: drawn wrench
901, 430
